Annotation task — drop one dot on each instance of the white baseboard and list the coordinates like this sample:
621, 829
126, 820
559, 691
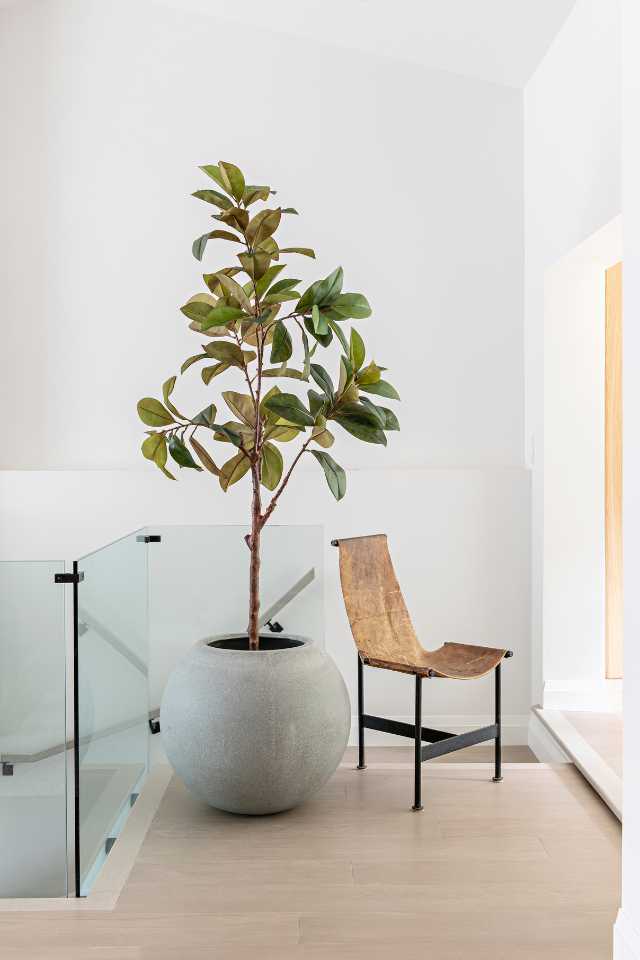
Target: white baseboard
626, 938
602, 697
542, 743
514, 728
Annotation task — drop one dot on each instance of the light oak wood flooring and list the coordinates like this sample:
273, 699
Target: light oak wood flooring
524, 869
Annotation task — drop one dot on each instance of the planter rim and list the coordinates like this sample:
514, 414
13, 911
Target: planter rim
304, 643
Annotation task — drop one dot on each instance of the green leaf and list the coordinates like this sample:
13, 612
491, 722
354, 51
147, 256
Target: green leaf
191, 360
155, 448
242, 405
263, 283
388, 419
253, 192
354, 305
208, 316
304, 251
281, 347
336, 477
204, 457
232, 179
370, 374
233, 470
289, 407
199, 245
356, 349
254, 265
263, 225
208, 373
223, 350
153, 413
329, 288
324, 339
323, 380
272, 466
234, 217
285, 284
167, 390
234, 291
269, 246
320, 325
338, 332
212, 196
181, 455
381, 388
212, 170
281, 297
316, 402
321, 435
224, 235
206, 417
213, 282
289, 372
225, 432
290, 210
306, 369
282, 433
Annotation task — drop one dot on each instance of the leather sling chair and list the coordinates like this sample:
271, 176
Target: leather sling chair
385, 638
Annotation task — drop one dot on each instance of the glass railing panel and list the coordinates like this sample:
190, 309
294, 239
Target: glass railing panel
33, 805
199, 587
113, 702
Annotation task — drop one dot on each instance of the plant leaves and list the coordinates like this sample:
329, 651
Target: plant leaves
381, 388
242, 405
263, 283
282, 347
153, 413
320, 325
232, 179
204, 457
167, 390
329, 288
321, 435
208, 373
223, 350
263, 225
234, 291
285, 284
212, 196
289, 372
324, 339
212, 170
388, 419
323, 380
254, 265
206, 417
225, 433
181, 454
370, 374
208, 316
272, 466
191, 360
304, 251
234, 217
290, 408
233, 470
290, 210
155, 448
316, 402
199, 245
336, 477
354, 305
253, 192
281, 433
357, 351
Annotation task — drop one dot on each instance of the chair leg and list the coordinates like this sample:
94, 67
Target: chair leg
361, 764
417, 789
498, 742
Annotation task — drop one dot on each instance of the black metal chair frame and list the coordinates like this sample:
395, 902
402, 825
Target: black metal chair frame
438, 741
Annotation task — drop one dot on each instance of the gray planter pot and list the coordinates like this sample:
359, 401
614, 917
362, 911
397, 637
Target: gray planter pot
255, 732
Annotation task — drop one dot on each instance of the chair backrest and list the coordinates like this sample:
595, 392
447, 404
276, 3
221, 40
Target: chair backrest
380, 622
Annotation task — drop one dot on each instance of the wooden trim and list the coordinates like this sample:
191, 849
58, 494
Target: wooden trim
613, 473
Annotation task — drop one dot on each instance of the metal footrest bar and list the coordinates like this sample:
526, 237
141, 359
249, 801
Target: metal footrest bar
404, 729
459, 742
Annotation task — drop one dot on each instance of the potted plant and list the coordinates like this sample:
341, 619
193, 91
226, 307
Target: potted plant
255, 724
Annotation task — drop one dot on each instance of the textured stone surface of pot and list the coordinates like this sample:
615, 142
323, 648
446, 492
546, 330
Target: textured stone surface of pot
255, 731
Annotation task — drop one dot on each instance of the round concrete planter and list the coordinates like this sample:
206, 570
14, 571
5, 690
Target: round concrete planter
255, 731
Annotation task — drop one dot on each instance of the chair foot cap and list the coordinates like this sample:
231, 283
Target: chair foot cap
361, 766
497, 779
417, 808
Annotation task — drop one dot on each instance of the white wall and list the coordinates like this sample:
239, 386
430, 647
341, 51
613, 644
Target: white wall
573, 460
411, 178
627, 931
571, 189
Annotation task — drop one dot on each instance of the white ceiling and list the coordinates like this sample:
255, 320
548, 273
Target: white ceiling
501, 41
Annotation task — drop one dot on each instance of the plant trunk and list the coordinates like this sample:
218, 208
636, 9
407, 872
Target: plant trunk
254, 569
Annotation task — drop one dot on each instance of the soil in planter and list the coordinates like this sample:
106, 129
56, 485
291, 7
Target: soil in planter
268, 642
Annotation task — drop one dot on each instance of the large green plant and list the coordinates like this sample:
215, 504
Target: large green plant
247, 330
